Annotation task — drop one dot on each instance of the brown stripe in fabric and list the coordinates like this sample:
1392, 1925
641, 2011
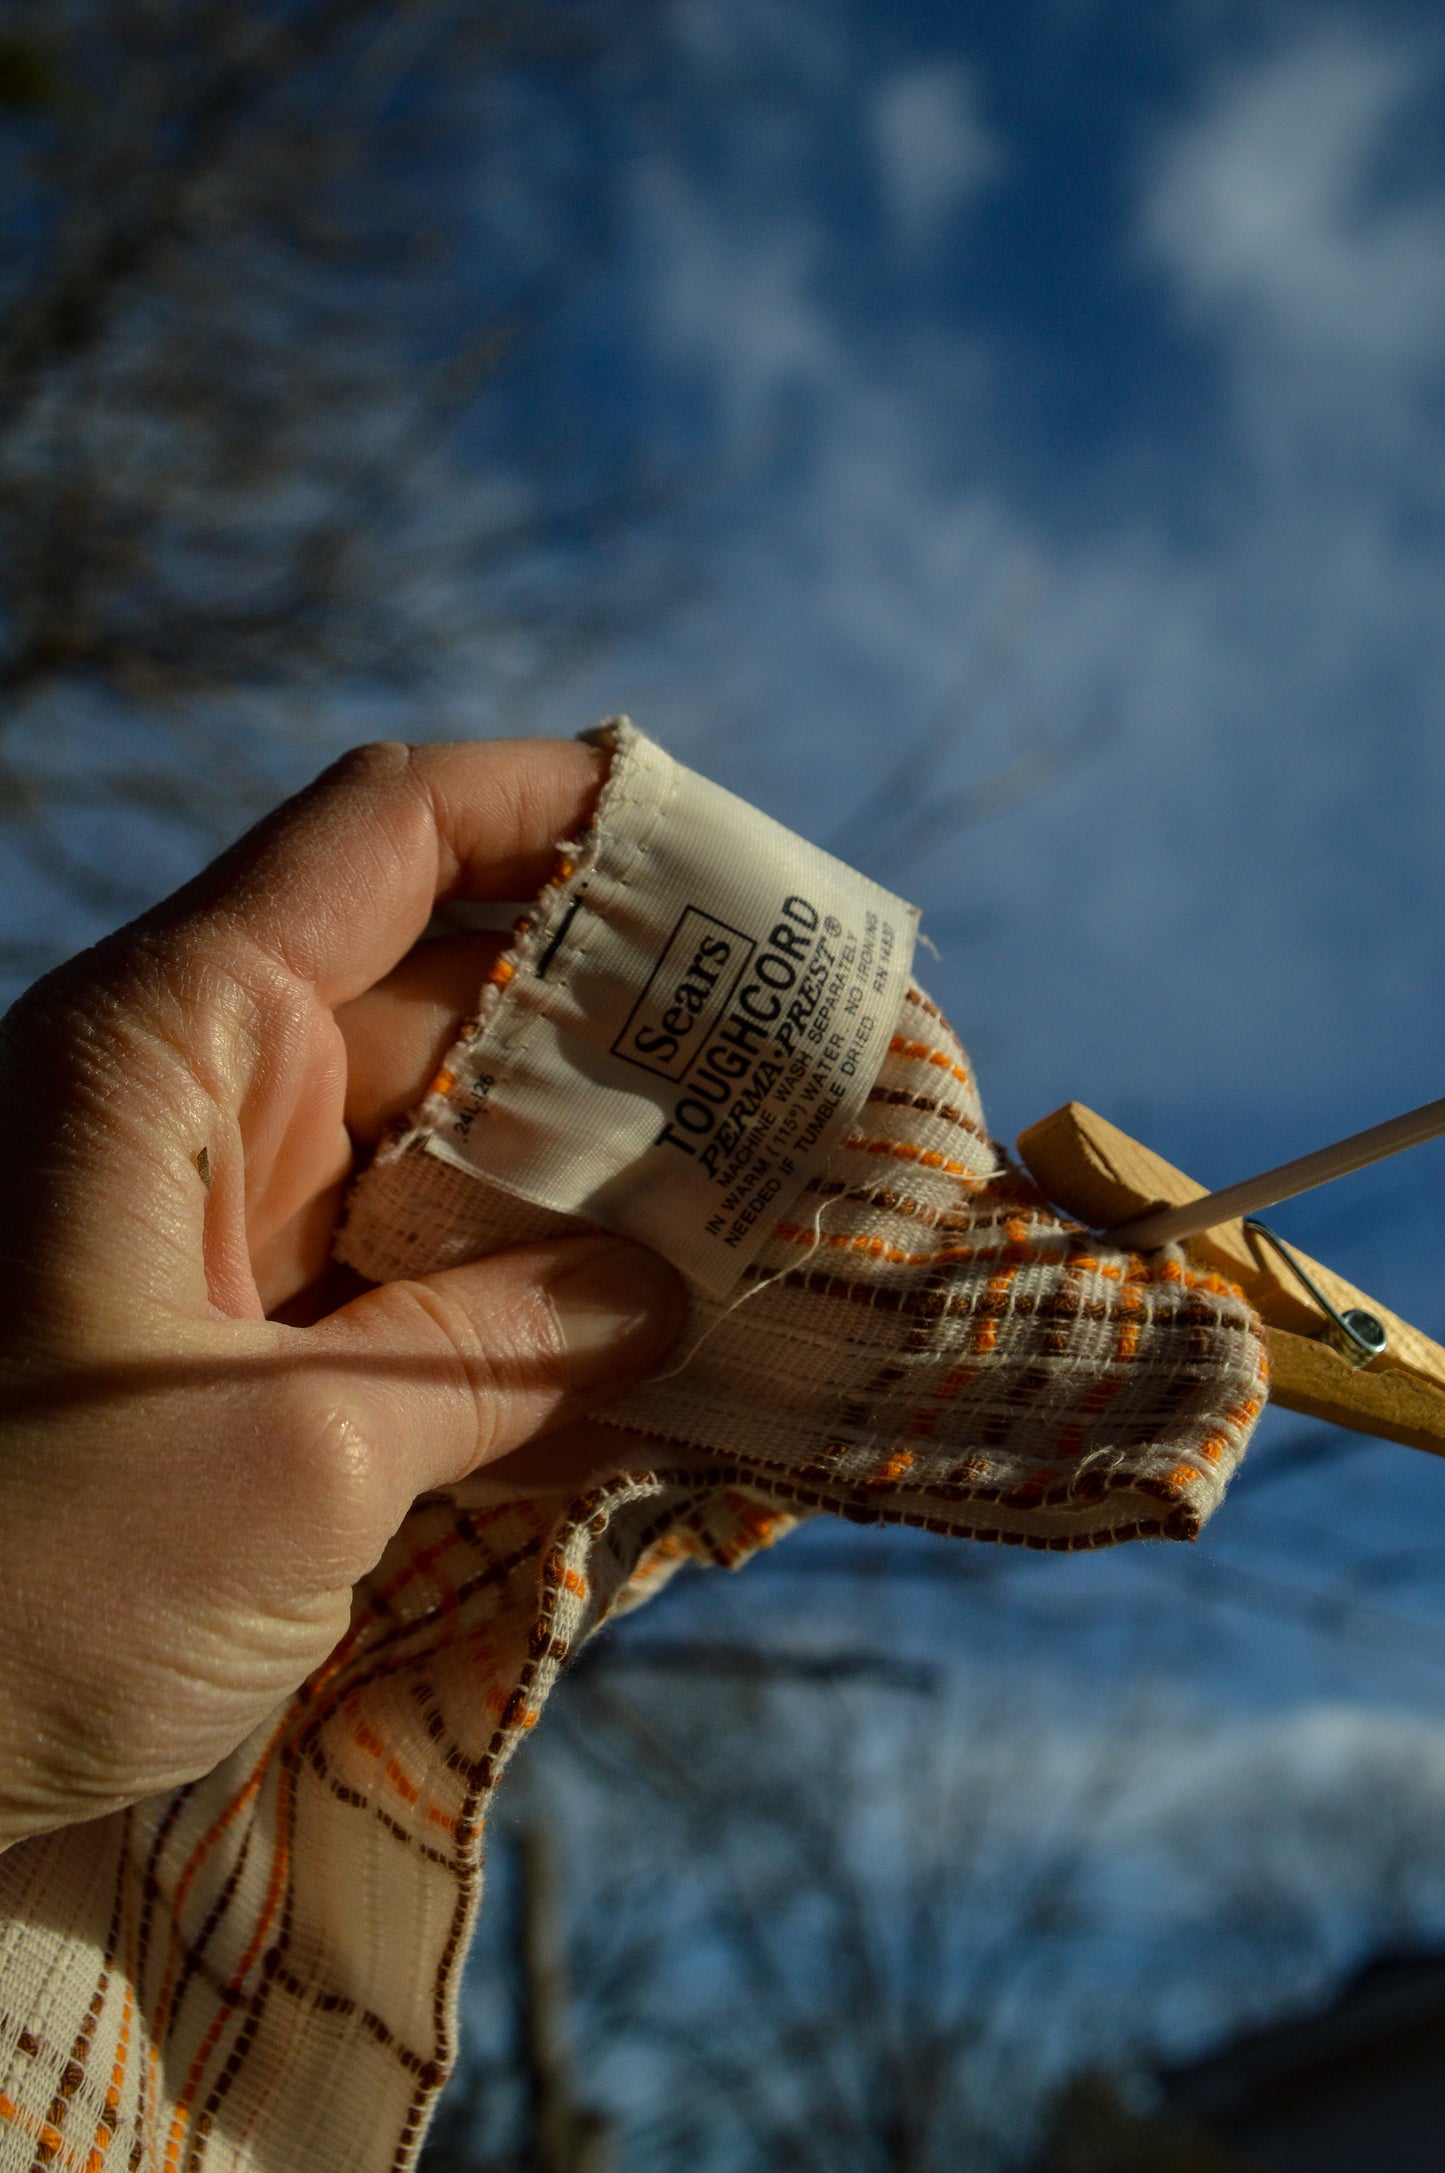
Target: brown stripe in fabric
355, 1799
928, 1105
466, 1867
348, 1685
416, 1628
271, 1960
468, 1871
855, 1503
73, 2072
933, 1298
150, 1885
309, 1995
194, 1951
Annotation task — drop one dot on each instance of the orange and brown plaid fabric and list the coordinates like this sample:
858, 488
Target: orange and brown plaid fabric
260, 1971
922, 1340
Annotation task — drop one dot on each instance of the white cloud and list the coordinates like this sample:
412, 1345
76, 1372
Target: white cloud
934, 149
1168, 912
1267, 203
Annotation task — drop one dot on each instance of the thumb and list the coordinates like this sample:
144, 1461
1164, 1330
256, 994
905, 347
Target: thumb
444, 1372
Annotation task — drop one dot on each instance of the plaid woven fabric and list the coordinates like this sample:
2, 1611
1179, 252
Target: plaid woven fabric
923, 1340
260, 1971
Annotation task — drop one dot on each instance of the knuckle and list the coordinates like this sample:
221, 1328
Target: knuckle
332, 1470
375, 761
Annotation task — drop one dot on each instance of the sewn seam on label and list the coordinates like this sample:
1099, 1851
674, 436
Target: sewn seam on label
617, 797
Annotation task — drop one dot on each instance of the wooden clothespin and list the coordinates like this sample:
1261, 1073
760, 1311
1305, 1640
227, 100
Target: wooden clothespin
1093, 1171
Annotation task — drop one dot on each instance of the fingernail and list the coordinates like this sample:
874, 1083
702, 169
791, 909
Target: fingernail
617, 1310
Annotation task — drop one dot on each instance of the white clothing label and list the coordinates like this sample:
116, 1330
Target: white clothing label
690, 1022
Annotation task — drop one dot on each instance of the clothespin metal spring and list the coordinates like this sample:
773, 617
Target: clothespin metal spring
1358, 1336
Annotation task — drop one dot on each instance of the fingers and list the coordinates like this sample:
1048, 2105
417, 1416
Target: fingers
447, 1372
339, 883
398, 1032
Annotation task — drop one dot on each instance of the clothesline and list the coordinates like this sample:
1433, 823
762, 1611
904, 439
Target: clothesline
1284, 1182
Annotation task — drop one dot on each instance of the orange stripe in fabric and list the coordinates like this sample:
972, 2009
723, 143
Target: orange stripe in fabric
50, 2140
103, 2133
280, 1871
922, 1052
417, 1564
903, 1150
202, 1850
227, 1817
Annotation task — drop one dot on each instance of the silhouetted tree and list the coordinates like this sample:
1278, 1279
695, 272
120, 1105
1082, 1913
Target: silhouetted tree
263, 265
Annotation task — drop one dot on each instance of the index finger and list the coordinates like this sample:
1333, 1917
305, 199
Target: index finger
339, 883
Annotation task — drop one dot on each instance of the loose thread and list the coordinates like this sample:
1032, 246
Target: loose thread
815, 1239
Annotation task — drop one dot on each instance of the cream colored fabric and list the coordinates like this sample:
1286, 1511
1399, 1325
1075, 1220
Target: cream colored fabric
260, 1971
688, 1022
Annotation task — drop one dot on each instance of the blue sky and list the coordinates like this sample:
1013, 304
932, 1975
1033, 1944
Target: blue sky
1075, 384
1065, 383
1055, 397
1073, 376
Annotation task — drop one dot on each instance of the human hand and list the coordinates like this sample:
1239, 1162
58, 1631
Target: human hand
191, 1483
